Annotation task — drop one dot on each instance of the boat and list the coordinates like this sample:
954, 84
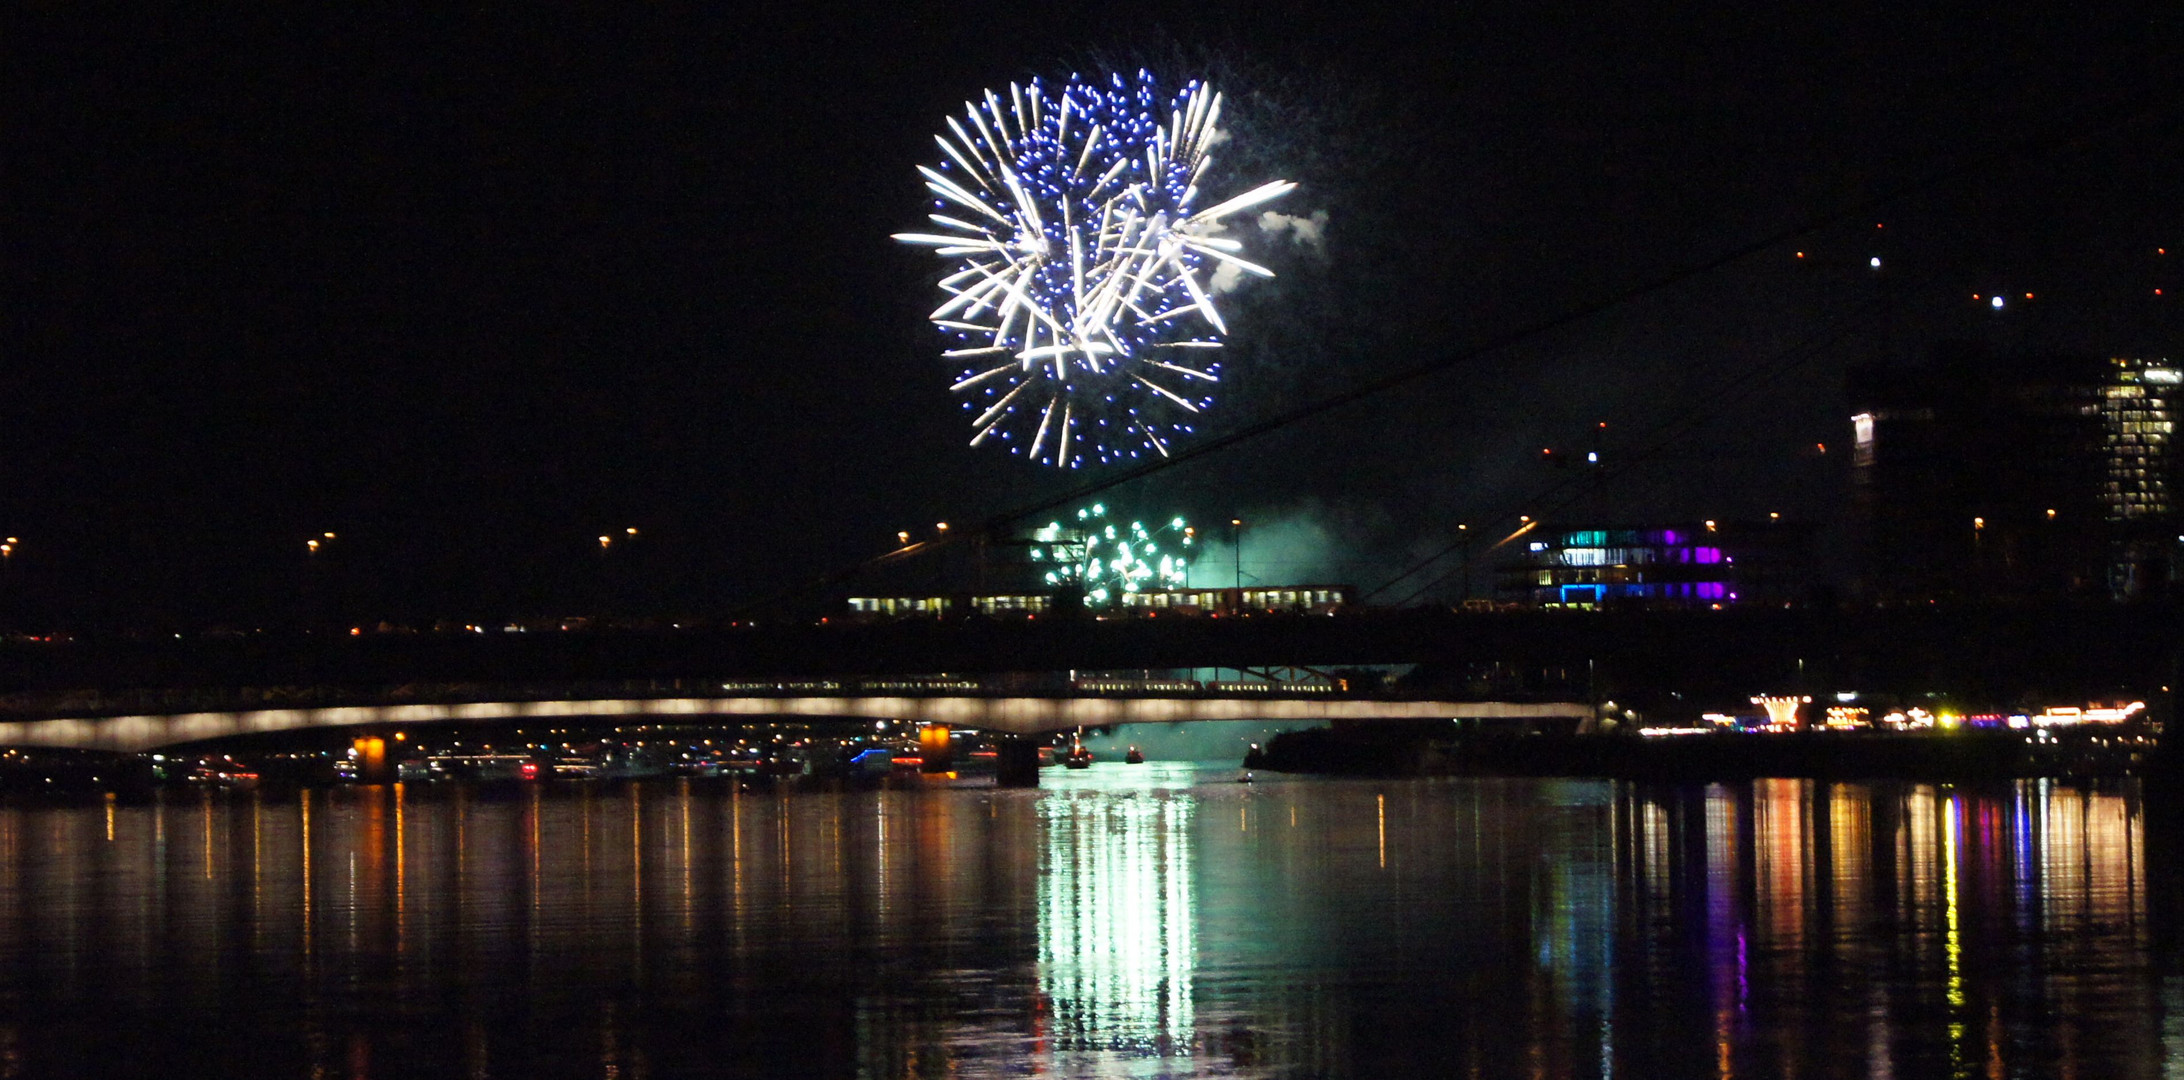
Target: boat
1134, 757
1078, 757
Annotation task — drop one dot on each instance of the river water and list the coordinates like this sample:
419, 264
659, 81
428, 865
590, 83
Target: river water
1154, 920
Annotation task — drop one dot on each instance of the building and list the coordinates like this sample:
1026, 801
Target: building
1702, 564
1985, 477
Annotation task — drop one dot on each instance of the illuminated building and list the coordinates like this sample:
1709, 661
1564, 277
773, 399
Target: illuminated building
2014, 478
1702, 564
2138, 431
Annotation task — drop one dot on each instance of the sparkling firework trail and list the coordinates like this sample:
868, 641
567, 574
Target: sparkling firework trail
1108, 562
1076, 304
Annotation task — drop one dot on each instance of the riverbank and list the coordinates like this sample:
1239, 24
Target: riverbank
1950, 755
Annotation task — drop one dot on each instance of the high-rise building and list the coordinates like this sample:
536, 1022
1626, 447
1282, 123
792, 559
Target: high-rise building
2138, 491
1987, 477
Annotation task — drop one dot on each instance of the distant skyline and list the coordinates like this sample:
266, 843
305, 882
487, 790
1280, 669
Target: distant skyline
472, 289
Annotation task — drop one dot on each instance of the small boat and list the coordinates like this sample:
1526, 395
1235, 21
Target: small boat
1244, 779
1133, 757
1078, 757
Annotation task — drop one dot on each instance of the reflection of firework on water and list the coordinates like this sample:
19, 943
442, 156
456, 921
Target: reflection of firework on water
1106, 560
1076, 303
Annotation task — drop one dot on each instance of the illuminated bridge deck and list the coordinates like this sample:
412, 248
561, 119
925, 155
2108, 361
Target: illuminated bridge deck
1009, 714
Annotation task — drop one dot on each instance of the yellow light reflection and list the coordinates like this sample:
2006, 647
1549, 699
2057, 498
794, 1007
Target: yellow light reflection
1953, 943
1381, 814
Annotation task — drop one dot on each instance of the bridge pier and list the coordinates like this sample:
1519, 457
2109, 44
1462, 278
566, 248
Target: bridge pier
936, 748
1016, 762
372, 766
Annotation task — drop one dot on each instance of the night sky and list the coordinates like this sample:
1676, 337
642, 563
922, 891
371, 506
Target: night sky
471, 288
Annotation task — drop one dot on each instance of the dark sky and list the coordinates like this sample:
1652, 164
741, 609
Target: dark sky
471, 288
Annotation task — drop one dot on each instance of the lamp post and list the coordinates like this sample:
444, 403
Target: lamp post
1464, 532
1236, 547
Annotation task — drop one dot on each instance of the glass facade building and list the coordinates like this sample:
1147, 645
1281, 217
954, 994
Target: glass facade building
1703, 564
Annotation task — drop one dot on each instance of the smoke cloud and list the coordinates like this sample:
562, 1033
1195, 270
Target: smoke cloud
1308, 231
1225, 278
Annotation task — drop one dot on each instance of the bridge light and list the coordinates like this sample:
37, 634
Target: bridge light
942, 526
903, 537
605, 542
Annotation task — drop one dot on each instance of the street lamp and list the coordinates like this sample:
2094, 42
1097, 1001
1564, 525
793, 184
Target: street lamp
1465, 531
1236, 546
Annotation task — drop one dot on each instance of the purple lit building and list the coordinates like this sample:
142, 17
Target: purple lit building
1698, 565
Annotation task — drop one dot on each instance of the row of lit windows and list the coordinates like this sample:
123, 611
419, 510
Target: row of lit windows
1165, 600
1287, 597
898, 605
1634, 556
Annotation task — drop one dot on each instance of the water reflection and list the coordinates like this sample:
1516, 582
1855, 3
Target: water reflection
1115, 913
1147, 921
1885, 930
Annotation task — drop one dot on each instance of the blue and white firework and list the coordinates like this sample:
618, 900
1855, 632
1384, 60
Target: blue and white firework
1076, 304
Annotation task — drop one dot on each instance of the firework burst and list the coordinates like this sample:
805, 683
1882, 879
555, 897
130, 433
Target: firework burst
1107, 561
1075, 304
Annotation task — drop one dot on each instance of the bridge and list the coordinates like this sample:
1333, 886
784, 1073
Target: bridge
961, 705
143, 693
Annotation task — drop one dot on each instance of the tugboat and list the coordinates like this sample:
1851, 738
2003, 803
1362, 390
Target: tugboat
1133, 757
1078, 757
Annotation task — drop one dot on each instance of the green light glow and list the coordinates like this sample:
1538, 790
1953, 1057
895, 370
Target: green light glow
1107, 561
